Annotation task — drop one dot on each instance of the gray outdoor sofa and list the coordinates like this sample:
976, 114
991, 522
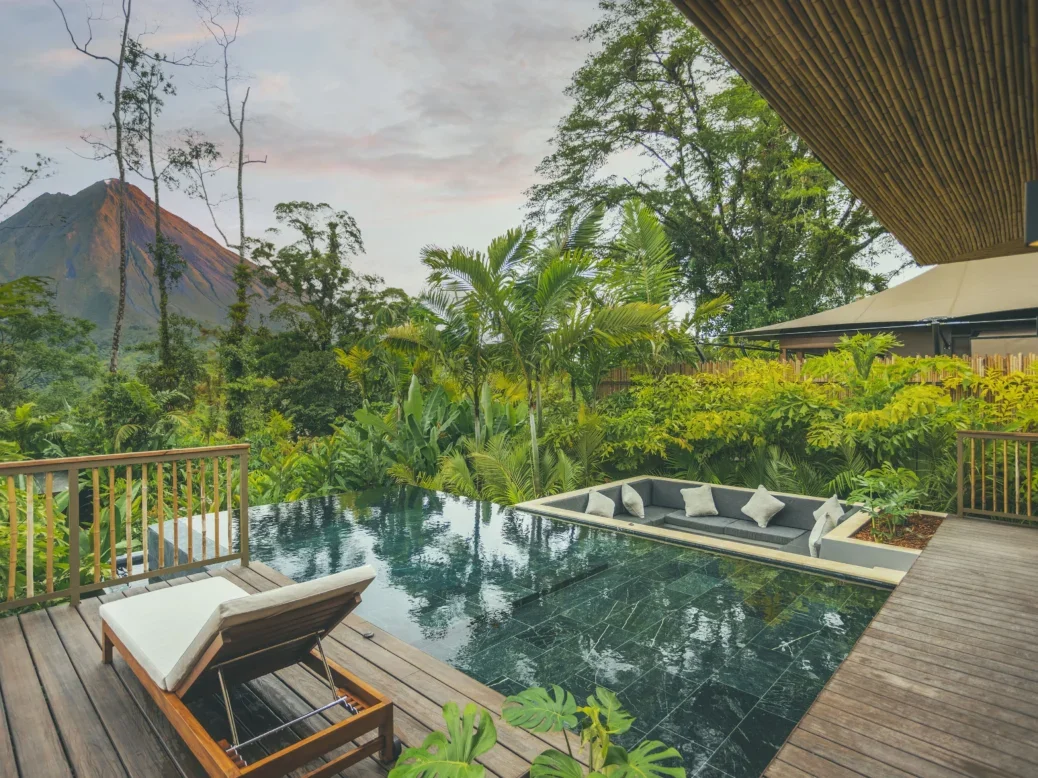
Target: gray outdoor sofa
789, 530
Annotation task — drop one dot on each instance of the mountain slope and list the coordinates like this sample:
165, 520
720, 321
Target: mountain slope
74, 240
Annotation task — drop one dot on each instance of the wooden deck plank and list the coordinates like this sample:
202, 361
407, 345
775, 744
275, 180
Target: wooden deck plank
8, 763
87, 742
944, 681
138, 744
37, 747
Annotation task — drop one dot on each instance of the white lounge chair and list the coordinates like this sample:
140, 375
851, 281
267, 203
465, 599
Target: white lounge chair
195, 638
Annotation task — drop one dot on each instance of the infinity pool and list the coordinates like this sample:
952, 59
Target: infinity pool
715, 655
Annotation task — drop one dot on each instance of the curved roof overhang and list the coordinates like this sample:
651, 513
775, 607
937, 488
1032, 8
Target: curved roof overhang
926, 109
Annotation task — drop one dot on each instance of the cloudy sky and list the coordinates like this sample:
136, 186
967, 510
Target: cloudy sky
424, 120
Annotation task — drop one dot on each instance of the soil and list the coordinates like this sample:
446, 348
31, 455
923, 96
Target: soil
915, 534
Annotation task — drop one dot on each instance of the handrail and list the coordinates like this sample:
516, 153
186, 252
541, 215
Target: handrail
123, 458
133, 501
996, 474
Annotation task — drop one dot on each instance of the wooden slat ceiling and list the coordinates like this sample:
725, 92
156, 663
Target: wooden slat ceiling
926, 109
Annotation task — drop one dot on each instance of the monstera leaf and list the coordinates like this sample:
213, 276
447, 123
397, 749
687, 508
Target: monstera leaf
646, 760
450, 755
610, 712
539, 710
555, 764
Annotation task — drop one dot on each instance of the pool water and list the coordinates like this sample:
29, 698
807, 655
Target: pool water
715, 655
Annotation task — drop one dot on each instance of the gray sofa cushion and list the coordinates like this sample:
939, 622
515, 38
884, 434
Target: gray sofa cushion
770, 534
714, 524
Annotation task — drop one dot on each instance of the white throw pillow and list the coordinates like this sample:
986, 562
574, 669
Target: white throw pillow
762, 507
830, 507
699, 501
600, 505
632, 501
823, 527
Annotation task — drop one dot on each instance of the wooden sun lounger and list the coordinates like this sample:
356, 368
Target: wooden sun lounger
198, 638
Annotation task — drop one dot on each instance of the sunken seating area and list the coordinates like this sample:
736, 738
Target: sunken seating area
664, 506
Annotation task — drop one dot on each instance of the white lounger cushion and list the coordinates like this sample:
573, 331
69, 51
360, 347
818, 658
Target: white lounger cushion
158, 627
212, 613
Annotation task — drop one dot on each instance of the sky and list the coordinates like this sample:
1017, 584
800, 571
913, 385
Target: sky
424, 120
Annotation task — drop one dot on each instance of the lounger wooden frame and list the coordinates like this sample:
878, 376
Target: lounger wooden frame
252, 650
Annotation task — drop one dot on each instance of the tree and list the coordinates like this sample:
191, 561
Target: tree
143, 102
39, 347
314, 290
750, 211
27, 174
119, 63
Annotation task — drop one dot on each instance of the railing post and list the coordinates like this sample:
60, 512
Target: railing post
73, 536
961, 481
243, 507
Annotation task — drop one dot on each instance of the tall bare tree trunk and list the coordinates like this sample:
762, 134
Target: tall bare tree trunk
113, 362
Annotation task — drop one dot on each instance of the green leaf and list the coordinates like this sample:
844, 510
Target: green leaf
414, 402
614, 718
539, 710
555, 764
450, 755
646, 760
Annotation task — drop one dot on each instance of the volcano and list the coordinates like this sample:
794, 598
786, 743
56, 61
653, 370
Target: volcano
74, 241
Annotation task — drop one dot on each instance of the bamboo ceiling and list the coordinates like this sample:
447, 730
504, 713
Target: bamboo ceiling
926, 109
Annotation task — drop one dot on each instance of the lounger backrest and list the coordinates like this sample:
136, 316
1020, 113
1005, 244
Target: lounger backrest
267, 631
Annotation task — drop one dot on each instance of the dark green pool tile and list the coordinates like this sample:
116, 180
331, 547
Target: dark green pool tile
512, 658
727, 604
867, 597
710, 714
682, 629
752, 576
694, 584
551, 633
669, 571
792, 694
649, 611
789, 634
769, 602
615, 657
558, 667
630, 738
752, 745
697, 557
824, 654
754, 669
855, 619
709, 771
658, 693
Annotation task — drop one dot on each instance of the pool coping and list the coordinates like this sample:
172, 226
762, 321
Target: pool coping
885, 577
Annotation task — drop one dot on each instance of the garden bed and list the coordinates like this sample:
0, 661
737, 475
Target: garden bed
916, 533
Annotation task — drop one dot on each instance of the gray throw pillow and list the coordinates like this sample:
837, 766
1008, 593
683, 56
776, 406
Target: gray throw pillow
699, 501
600, 505
632, 501
762, 507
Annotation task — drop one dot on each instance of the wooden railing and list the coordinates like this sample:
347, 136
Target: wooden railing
77, 525
996, 474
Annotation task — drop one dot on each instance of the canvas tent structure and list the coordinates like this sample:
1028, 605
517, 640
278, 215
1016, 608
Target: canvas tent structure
983, 306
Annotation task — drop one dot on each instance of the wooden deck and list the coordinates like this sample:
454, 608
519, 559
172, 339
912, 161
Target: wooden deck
63, 713
944, 682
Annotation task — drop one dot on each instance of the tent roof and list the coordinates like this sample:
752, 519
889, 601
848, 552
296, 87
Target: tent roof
925, 109
953, 291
